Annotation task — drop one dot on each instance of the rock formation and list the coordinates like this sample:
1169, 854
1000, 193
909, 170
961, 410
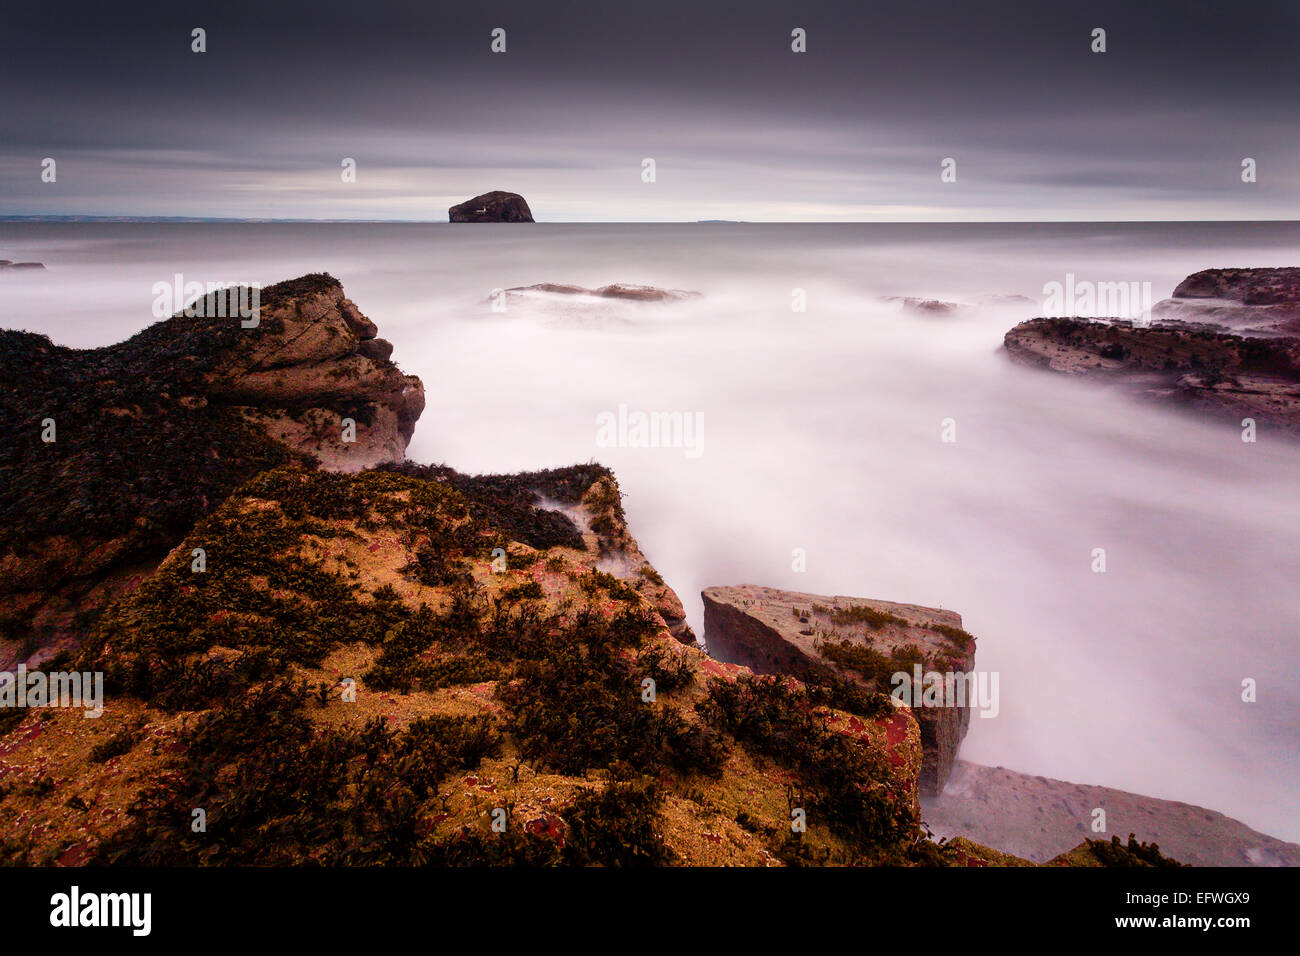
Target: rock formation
927, 307
1220, 374
807, 635
463, 651
1266, 300
1248, 286
127, 446
1004, 300
1038, 818
580, 506
320, 363
496, 206
619, 290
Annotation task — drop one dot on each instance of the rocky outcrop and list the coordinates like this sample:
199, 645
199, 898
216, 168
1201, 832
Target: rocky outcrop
465, 653
496, 206
321, 367
808, 635
1247, 300
1247, 286
1038, 818
125, 447
1219, 374
581, 507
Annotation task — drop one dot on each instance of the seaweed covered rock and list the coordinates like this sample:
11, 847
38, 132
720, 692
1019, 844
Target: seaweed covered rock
117, 451
809, 636
579, 506
1114, 853
402, 668
1219, 374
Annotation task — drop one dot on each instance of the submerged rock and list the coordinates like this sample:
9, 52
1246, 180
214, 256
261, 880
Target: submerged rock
927, 307
495, 206
618, 290
999, 300
561, 305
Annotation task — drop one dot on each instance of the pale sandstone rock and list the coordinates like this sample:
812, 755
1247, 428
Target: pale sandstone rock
757, 627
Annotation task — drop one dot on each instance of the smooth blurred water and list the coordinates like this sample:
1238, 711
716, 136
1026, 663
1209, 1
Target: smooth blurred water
822, 432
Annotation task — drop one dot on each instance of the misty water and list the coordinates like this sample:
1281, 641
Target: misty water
821, 431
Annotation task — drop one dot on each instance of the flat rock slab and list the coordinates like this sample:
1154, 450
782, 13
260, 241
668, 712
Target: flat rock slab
618, 290
1220, 374
1038, 818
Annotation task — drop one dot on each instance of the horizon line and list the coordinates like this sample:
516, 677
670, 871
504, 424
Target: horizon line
76, 217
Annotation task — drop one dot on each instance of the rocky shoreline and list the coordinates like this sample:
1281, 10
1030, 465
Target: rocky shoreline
366, 661
1226, 356
148, 436
372, 659
1222, 376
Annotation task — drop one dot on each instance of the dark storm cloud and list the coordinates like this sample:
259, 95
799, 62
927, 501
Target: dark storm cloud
1041, 127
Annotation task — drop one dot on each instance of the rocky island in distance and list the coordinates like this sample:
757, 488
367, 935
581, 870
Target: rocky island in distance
495, 206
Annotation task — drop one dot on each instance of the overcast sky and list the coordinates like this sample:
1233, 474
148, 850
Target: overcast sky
739, 126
